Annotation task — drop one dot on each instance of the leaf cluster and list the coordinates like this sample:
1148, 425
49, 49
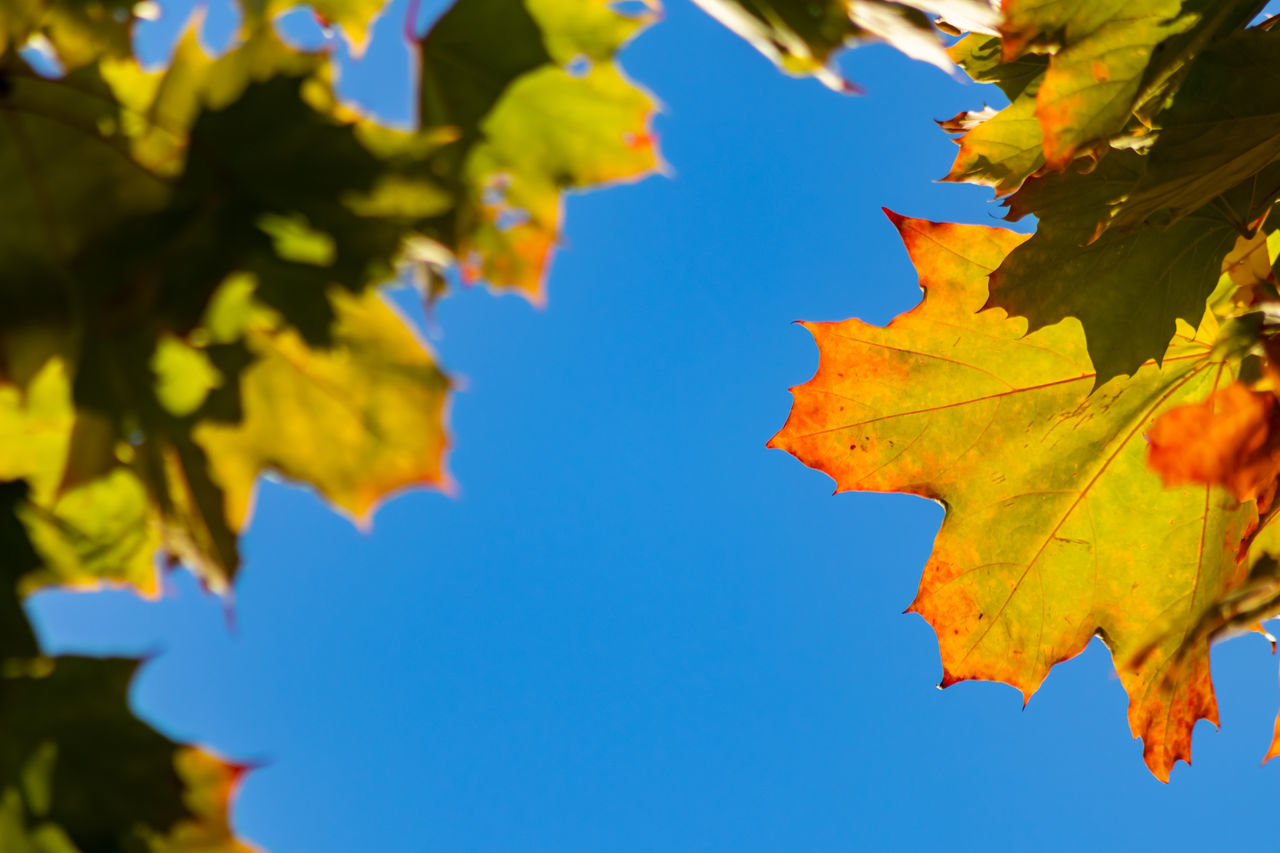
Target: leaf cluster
194, 257
1094, 404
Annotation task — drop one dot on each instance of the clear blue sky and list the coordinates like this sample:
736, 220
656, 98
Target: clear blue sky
637, 629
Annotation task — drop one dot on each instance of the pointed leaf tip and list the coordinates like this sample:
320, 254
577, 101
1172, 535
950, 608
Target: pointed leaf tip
896, 218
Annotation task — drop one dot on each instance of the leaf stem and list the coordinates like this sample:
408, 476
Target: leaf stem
1220, 204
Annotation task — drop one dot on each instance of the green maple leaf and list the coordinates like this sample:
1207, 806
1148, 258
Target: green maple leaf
1005, 429
1127, 290
1222, 128
537, 105
1126, 287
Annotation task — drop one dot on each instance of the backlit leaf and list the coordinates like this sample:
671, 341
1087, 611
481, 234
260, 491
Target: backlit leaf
1232, 439
1004, 428
1003, 149
76, 32
803, 37
1127, 289
1222, 128
85, 533
77, 767
357, 421
538, 107
1100, 53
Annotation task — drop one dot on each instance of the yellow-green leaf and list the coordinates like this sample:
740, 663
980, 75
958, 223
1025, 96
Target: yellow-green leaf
356, 421
1100, 53
538, 107
1056, 530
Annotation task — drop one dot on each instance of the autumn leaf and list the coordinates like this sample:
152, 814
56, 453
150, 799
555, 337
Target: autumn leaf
357, 420
76, 32
999, 149
354, 17
1222, 128
538, 106
800, 38
803, 38
1005, 429
86, 533
981, 56
1082, 78
54, 212
209, 784
1232, 439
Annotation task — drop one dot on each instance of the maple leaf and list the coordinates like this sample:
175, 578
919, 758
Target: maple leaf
999, 149
357, 420
800, 38
1100, 53
55, 212
353, 17
76, 767
1222, 128
1005, 429
1080, 77
193, 257
803, 37
1128, 289
538, 106
85, 533
294, 204
77, 31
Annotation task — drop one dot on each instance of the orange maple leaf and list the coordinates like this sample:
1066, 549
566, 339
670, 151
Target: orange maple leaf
1231, 439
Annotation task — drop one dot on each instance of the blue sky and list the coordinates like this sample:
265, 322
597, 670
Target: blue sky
636, 628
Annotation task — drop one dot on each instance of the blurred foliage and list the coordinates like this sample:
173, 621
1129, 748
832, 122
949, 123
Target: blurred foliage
194, 258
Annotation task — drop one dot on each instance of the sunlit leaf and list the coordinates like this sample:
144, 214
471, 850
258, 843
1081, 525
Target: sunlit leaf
539, 107
357, 421
803, 37
1100, 53
1056, 529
